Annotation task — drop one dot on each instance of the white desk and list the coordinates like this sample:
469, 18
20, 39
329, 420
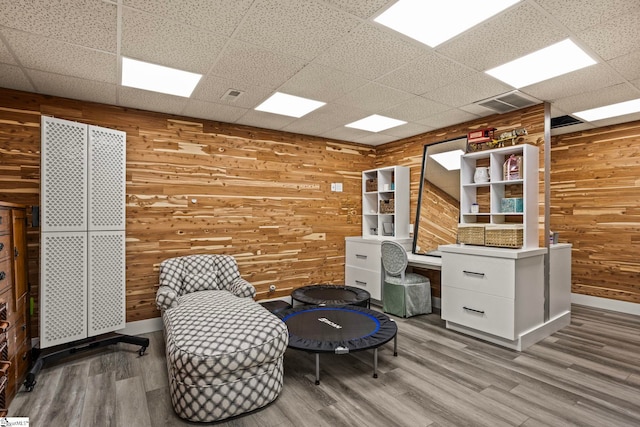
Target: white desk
424, 261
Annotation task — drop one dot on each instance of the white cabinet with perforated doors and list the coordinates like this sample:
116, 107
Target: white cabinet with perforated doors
82, 273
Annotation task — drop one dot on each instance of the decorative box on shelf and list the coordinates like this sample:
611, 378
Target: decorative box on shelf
371, 185
504, 235
387, 206
471, 234
511, 205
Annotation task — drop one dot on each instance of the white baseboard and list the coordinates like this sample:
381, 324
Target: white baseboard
606, 304
142, 326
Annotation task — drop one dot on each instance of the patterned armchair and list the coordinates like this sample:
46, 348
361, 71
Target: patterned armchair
183, 275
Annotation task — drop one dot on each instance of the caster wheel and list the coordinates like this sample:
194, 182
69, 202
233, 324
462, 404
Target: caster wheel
30, 382
141, 351
375, 375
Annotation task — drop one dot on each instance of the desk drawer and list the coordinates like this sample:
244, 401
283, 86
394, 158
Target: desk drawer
363, 255
487, 313
5, 273
488, 275
364, 279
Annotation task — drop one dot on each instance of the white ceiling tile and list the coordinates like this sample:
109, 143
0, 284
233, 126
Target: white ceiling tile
325, 119
581, 14
428, 72
627, 65
476, 110
617, 37
586, 79
73, 87
168, 43
13, 77
374, 97
466, 91
448, 118
219, 16
150, 101
597, 98
254, 66
345, 134
407, 130
376, 139
300, 28
617, 120
57, 57
503, 39
212, 89
321, 83
369, 52
636, 83
264, 120
89, 23
415, 109
211, 111
5, 55
363, 9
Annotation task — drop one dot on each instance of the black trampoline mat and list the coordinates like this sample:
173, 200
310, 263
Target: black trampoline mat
330, 324
324, 329
332, 294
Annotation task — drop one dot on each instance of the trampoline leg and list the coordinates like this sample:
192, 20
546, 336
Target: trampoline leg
375, 363
317, 368
395, 345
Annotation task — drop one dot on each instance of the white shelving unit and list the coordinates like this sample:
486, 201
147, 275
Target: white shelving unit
392, 184
498, 188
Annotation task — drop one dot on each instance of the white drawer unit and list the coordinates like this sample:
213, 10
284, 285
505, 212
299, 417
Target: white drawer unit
492, 293
363, 264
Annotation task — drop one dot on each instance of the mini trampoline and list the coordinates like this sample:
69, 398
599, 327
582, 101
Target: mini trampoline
331, 295
340, 330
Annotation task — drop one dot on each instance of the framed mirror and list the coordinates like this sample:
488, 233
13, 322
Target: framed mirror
438, 211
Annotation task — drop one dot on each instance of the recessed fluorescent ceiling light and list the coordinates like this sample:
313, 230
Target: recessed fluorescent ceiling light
289, 105
143, 75
434, 22
450, 160
375, 123
552, 61
613, 110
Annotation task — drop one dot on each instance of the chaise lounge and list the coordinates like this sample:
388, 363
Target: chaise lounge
224, 350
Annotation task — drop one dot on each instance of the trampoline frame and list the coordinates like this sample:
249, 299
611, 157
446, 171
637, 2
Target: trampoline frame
392, 333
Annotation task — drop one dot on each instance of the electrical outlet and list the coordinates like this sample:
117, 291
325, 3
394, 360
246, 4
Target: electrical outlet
333, 186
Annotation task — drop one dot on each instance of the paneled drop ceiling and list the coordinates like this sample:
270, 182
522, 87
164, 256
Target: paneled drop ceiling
327, 50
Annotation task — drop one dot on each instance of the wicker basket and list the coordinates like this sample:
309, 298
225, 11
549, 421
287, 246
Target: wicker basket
504, 236
387, 206
371, 185
471, 234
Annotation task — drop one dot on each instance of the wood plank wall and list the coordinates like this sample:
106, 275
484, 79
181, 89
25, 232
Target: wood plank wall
595, 205
197, 186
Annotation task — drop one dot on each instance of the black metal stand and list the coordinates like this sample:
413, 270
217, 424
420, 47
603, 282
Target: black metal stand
63, 350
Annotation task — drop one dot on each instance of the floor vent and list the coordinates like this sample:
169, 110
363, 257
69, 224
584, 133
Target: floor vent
509, 101
231, 95
562, 121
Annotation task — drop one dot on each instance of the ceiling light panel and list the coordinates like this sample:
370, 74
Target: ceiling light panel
434, 22
289, 105
156, 78
552, 61
613, 110
375, 123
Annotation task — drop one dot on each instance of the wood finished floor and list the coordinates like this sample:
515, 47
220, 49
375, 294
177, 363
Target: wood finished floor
587, 374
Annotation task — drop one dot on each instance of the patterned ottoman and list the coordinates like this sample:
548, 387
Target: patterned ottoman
224, 355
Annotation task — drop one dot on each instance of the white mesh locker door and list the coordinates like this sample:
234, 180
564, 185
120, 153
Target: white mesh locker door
107, 308
63, 173
106, 179
63, 290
